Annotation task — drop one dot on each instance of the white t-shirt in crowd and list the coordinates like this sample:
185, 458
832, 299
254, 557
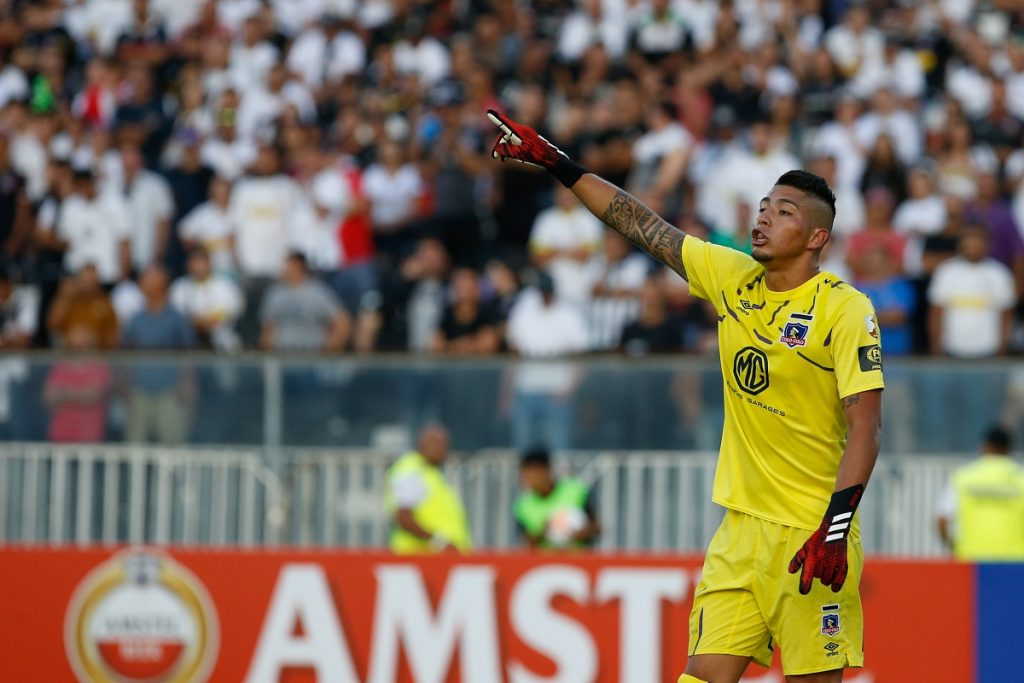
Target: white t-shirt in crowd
211, 227
743, 177
559, 229
537, 331
428, 60
580, 31
260, 107
233, 13
262, 210
149, 202
228, 159
94, 230
217, 296
973, 297
850, 50
13, 85
127, 300
250, 64
918, 218
315, 232
839, 141
901, 127
313, 58
393, 196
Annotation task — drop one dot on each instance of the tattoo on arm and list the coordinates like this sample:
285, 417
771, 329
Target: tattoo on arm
629, 217
851, 400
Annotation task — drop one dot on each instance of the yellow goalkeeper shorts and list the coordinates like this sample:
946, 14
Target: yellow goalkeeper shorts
747, 602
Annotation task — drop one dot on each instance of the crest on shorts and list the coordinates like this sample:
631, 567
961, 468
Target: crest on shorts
795, 332
830, 624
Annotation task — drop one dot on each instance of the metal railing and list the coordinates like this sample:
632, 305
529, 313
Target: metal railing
647, 502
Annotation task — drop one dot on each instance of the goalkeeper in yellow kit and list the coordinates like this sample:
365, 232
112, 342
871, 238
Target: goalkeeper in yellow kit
802, 369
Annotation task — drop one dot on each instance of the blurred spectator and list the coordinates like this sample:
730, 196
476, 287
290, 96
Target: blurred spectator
393, 186
738, 181
923, 213
618, 274
838, 138
209, 227
661, 156
455, 157
300, 313
878, 231
883, 169
564, 242
590, 25
161, 393
960, 161
886, 118
469, 325
854, 42
226, 152
150, 210
15, 212
892, 296
990, 209
262, 208
93, 228
972, 298
427, 515
412, 302
82, 303
540, 329
553, 512
77, 391
653, 332
19, 313
981, 516
211, 301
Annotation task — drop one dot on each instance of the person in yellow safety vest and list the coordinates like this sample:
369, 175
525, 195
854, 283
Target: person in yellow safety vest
553, 513
981, 516
427, 515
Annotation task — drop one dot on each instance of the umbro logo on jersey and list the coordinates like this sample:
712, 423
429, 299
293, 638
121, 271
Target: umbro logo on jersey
750, 368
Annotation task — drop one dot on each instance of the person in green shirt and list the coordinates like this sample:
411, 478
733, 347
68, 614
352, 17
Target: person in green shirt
553, 513
981, 516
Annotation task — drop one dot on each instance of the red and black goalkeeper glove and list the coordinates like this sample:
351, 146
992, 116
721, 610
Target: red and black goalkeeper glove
525, 145
823, 556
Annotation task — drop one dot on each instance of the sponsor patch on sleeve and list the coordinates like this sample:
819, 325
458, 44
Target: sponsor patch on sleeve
870, 357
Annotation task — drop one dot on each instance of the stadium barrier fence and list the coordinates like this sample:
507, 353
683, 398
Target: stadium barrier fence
332, 498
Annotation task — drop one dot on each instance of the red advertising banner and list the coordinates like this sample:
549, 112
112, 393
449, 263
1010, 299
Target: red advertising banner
144, 614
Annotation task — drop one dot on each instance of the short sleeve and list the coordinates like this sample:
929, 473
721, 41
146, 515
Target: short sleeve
939, 291
408, 490
709, 266
856, 348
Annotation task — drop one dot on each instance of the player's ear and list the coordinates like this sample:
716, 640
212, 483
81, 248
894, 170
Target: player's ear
818, 239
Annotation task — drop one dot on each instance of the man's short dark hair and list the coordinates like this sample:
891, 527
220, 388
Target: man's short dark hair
811, 184
537, 455
998, 439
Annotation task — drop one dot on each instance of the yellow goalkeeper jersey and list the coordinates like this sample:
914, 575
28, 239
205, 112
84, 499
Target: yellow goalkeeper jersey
788, 359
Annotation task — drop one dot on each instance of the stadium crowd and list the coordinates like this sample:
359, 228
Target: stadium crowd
315, 174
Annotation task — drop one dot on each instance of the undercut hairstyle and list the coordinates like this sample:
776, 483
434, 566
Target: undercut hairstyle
813, 185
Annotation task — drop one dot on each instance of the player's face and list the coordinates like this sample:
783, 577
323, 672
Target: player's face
783, 230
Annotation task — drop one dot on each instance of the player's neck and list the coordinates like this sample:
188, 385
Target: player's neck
791, 277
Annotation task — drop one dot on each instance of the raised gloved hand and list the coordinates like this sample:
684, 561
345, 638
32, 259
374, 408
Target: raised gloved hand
823, 556
525, 145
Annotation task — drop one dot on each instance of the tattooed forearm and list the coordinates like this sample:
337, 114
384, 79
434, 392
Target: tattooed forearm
851, 400
629, 217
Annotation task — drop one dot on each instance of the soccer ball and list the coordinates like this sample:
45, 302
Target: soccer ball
563, 524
